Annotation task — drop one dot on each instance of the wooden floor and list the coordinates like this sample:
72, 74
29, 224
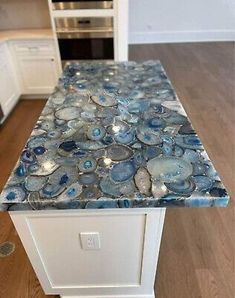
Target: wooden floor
198, 245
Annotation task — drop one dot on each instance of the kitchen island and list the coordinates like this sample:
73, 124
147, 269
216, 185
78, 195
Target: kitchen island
111, 137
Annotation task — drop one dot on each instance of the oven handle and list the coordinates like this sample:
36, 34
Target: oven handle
84, 30
85, 33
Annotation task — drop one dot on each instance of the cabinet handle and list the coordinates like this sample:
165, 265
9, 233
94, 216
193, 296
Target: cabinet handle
33, 48
52, 59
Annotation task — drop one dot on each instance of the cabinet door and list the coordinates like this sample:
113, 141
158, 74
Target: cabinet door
9, 92
38, 74
123, 266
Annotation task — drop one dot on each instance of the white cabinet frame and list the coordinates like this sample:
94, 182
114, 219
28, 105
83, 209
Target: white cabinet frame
153, 220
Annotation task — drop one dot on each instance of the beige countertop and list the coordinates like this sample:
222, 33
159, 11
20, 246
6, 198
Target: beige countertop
6, 35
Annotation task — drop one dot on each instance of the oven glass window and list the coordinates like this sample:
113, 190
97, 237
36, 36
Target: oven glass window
86, 49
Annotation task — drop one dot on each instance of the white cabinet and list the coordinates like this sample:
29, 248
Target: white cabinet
38, 74
123, 266
9, 89
37, 66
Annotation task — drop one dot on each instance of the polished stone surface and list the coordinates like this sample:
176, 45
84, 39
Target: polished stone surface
113, 136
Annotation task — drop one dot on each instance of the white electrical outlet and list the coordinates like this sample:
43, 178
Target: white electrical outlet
90, 240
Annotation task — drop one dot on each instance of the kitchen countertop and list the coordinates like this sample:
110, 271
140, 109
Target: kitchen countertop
113, 136
6, 35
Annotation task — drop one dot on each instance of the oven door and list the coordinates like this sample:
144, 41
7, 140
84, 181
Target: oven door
83, 4
85, 38
86, 49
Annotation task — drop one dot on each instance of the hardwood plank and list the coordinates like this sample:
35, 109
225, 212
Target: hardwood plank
17, 278
204, 78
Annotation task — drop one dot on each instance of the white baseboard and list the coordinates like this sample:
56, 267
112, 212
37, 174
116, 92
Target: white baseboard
113, 296
33, 96
181, 36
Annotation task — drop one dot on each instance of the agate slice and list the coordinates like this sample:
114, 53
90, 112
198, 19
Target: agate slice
39, 150
64, 176
36, 141
203, 183
90, 145
87, 179
176, 119
13, 194
191, 155
35, 201
142, 181
158, 189
186, 129
146, 136
35, 183
87, 164
71, 193
189, 141
95, 132
138, 106
155, 124
109, 187
47, 167
175, 106
122, 171
104, 100
124, 137
68, 113
185, 187
28, 157
152, 151
118, 152
20, 171
169, 168
90, 193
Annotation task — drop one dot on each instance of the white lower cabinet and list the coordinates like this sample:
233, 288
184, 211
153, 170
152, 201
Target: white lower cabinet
37, 65
123, 266
38, 74
9, 89
27, 67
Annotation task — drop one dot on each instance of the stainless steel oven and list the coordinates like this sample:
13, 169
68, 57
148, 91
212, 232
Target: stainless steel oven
83, 38
84, 4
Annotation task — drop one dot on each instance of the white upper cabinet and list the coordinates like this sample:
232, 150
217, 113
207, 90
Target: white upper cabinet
37, 66
9, 89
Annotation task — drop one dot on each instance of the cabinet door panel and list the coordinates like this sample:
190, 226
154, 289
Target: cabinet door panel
68, 265
38, 74
9, 92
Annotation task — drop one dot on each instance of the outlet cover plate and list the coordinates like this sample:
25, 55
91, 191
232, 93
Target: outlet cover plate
90, 240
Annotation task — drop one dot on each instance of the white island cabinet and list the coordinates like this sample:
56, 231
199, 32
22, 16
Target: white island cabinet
36, 65
9, 89
122, 265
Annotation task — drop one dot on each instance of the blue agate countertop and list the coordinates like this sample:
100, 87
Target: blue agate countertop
113, 135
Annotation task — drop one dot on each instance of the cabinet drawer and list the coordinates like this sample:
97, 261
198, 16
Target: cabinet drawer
33, 47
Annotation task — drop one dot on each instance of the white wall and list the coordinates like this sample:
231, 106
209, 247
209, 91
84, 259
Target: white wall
153, 21
24, 14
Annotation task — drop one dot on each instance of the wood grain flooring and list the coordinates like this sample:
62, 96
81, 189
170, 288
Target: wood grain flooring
198, 245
